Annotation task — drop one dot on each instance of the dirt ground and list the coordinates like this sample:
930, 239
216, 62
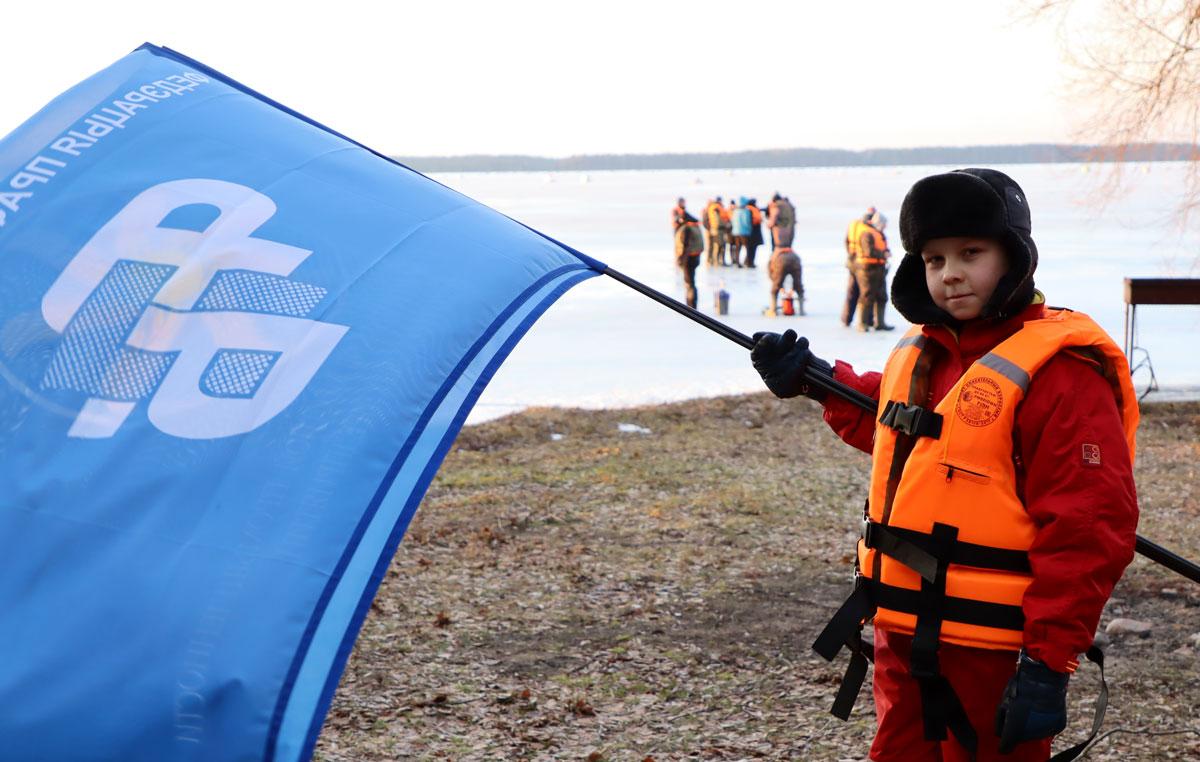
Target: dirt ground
571, 591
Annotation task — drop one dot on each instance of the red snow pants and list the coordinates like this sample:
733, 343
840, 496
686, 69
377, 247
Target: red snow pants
978, 676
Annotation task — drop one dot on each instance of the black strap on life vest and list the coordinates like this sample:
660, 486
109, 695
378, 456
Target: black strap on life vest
845, 629
856, 674
917, 551
941, 709
913, 420
869, 595
914, 555
926, 554
918, 392
1096, 656
962, 610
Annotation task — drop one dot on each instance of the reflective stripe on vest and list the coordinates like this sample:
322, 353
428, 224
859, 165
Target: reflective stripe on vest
971, 464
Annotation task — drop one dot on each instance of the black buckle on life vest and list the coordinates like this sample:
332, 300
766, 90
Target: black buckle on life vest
884, 540
919, 552
913, 420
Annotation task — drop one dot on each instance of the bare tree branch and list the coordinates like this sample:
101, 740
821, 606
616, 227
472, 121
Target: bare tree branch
1137, 65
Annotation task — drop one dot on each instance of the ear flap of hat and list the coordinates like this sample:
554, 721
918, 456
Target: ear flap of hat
1014, 291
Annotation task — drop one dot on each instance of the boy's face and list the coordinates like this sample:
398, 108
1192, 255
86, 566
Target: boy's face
961, 273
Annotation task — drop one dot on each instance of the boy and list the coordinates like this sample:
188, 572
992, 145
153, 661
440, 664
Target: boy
1002, 508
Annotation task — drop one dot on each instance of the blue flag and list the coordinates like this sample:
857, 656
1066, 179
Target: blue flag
234, 348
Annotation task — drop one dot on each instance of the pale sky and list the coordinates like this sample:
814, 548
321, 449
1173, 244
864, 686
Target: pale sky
563, 78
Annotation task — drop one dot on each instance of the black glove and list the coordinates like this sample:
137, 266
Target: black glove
1034, 704
782, 360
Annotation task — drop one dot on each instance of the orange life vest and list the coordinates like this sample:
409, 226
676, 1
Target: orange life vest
852, 244
712, 215
678, 213
857, 252
755, 215
955, 496
944, 554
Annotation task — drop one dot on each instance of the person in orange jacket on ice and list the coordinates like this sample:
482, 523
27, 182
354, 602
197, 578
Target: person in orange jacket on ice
1002, 508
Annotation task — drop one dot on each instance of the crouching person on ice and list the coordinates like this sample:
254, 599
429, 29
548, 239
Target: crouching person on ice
1002, 508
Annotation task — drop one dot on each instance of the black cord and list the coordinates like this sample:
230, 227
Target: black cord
1145, 362
1136, 732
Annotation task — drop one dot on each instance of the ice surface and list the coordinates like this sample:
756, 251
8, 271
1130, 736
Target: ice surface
604, 345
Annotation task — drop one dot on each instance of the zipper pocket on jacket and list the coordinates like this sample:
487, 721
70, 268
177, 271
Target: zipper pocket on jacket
952, 472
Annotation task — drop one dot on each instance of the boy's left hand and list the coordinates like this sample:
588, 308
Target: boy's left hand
1034, 704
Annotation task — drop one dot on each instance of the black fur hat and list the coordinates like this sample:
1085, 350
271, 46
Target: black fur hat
980, 203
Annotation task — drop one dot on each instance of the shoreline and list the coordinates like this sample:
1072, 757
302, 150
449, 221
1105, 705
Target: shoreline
1162, 396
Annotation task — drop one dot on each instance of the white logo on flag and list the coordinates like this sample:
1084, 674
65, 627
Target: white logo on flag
204, 322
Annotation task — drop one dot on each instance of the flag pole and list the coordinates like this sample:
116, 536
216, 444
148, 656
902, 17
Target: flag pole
811, 377
1150, 550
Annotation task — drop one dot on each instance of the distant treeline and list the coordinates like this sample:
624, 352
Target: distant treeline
1035, 153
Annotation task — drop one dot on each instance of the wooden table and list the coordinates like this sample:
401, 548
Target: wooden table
1155, 291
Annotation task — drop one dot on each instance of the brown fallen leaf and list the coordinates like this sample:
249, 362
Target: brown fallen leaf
582, 708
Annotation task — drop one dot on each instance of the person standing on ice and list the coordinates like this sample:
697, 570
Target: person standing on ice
678, 213
781, 221
740, 224
1002, 508
689, 244
870, 271
785, 263
727, 231
853, 234
756, 236
716, 232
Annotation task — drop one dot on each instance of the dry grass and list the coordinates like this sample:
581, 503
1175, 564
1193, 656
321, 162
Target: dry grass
612, 596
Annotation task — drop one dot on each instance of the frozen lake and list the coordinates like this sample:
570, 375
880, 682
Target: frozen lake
604, 345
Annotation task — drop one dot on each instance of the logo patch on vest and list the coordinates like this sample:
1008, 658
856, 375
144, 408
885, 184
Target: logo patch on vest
979, 402
1091, 455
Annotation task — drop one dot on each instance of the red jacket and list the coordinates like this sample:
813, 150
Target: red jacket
1086, 515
